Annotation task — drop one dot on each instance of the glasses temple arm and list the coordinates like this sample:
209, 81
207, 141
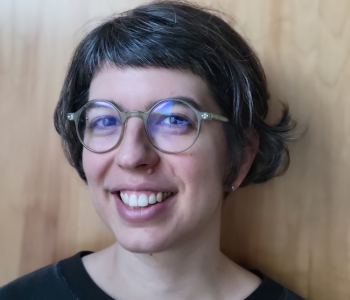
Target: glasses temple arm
210, 116
70, 116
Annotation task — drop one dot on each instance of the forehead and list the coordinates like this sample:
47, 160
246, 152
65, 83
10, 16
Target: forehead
136, 88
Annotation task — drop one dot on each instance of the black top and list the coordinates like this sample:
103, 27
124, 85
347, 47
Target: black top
69, 280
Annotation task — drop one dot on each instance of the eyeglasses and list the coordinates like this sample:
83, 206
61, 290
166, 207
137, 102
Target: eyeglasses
172, 125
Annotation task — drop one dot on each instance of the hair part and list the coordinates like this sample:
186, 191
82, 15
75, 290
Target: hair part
179, 35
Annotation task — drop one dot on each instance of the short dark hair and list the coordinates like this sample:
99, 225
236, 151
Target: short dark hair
179, 35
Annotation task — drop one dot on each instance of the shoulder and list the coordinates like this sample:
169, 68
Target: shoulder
289, 295
271, 290
45, 283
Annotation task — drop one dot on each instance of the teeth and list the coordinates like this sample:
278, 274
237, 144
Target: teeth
132, 200
143, 200
152, 199
125, 198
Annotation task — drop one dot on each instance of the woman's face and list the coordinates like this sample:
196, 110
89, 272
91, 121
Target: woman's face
194, 178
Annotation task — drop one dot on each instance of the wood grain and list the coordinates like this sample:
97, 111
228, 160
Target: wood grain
295, 228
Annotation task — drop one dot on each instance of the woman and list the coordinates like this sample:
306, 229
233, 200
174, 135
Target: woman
162, 114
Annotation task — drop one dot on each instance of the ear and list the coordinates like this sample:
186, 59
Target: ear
248, 158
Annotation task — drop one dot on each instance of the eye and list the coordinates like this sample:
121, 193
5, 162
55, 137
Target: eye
174, 120
104, 122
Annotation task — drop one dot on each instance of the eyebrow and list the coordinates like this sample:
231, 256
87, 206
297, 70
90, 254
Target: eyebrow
148, 106
188, 100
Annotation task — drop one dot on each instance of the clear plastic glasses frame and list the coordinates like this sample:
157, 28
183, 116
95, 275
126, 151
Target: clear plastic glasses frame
200, 115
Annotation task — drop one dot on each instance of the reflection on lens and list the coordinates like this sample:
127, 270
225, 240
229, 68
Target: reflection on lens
172, 126
99, 126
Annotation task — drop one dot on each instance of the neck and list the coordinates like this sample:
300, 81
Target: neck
187, 271
195, 269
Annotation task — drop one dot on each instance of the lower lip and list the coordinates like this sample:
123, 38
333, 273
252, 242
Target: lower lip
142, 214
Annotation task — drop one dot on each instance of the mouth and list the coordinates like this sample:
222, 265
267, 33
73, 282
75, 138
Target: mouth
143, 199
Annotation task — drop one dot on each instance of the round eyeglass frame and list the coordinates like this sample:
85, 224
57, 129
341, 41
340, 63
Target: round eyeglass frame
144, 116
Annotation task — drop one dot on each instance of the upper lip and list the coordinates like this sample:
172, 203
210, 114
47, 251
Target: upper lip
142, 187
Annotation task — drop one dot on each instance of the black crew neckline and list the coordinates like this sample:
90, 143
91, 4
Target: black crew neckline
78, 280
83, 287
267, 290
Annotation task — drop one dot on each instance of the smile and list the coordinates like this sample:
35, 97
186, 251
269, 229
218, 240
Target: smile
143, 199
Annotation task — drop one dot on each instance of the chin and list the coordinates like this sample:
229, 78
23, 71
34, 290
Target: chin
143, 241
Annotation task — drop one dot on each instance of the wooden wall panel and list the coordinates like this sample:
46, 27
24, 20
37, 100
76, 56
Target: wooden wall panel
296, 228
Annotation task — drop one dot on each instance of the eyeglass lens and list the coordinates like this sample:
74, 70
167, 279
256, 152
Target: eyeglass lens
171, 126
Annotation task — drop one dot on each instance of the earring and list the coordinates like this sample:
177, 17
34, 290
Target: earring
233, 188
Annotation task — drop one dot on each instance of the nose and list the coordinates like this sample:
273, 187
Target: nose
135, 151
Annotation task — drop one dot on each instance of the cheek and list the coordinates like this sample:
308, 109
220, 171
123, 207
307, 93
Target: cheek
211, 153
95, 166
203, 166
197, 169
